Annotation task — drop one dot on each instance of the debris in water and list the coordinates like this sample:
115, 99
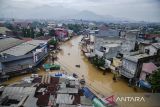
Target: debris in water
78, 66
75, 75
82, 81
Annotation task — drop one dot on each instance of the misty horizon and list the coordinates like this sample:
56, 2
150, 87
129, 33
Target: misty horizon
103, 10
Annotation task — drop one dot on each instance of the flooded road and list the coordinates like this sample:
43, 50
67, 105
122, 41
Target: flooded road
70, 56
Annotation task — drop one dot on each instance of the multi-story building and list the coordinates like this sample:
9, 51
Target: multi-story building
21, 56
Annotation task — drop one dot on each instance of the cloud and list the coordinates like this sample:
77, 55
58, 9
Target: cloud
147, 10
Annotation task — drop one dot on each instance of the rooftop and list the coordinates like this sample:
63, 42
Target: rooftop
156, 45
136, 57
45, 94
23, 48
7, 43
110, 45
149, 67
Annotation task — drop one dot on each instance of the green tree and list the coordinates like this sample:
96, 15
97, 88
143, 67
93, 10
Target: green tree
154, 80
99, 62
28, 33
32, 33
8, 25
41, 33
75, 27
53, 42
24, 32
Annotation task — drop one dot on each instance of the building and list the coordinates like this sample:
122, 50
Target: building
105, 31
132, 65
61, 34
48, 91
147, 70
148, 36
107, 47
6, 43
129, 41
153, 49
21, 57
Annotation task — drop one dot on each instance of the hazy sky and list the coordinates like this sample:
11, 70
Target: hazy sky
141, 10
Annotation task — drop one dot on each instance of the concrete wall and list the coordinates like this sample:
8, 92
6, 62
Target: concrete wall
17, 65
113, 51
108, 33
152, 50
24, 62
128, 68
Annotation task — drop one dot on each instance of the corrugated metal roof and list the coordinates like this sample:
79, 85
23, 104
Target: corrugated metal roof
68, 90
65, 99
7, 43
23, 48
18, 92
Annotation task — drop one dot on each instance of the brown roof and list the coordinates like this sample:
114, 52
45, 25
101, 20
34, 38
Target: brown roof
43, 100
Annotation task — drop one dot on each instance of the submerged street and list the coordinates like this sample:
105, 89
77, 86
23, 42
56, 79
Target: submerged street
70, 56
79, 53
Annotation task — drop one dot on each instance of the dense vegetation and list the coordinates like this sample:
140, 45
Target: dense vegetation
75, 27
53, 42
154, 80
99, 62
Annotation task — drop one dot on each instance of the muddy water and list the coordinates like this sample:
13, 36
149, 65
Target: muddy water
70, 56
19, 78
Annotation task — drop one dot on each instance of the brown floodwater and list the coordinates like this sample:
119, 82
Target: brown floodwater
71, 55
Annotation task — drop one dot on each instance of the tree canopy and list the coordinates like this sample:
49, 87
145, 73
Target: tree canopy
99, 62
154, 80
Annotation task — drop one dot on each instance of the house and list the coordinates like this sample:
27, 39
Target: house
107, 47
129, 41
21, 57
132, 65
153, 49
147, 70
108, 51
148, 36
61, 34
105, 31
